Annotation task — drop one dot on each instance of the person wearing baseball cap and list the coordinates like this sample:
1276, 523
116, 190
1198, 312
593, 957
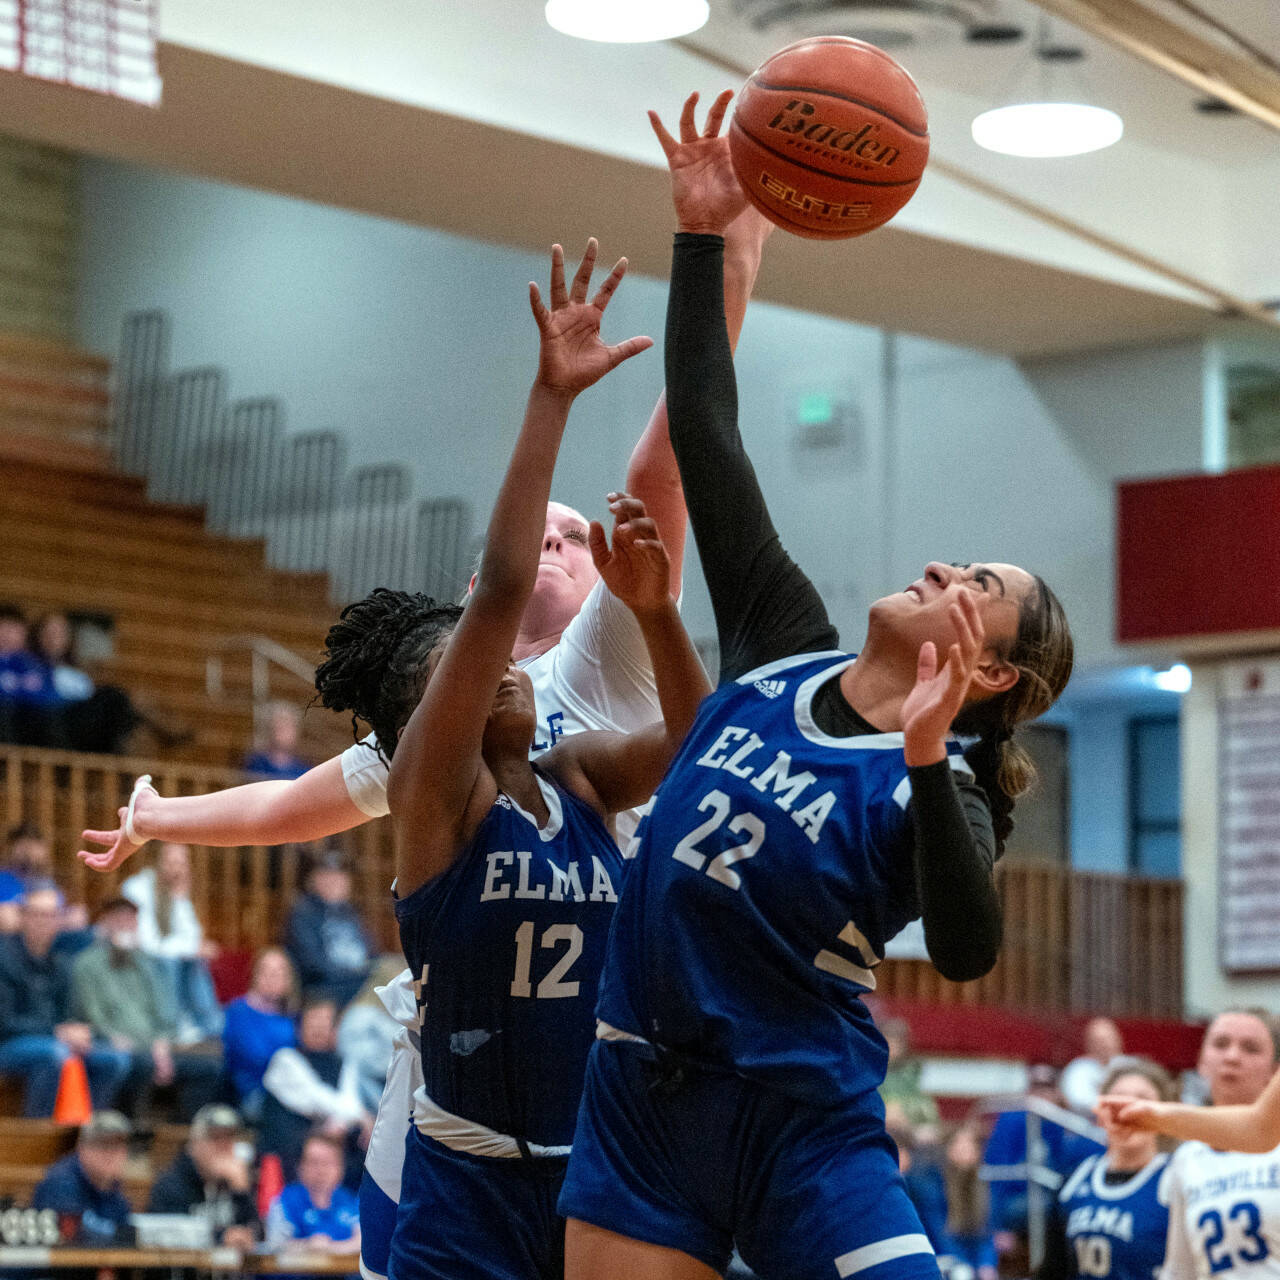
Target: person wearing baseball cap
84, 1188
211, 1179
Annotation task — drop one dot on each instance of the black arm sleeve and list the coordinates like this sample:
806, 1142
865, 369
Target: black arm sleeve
955, 856
765, 606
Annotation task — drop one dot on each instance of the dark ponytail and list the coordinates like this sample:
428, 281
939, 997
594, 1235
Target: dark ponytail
376, 659
1042, 654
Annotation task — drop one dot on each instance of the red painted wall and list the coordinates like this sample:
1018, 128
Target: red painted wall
1198, 555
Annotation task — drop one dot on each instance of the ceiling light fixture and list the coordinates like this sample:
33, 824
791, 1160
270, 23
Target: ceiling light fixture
627, 21
1045, 122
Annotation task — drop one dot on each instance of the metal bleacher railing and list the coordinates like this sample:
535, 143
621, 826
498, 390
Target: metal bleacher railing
295, 491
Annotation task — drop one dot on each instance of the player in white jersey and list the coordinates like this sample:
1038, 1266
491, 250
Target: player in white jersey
1224, 1206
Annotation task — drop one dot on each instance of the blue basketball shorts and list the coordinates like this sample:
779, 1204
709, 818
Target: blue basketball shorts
700, 1161
466, 1217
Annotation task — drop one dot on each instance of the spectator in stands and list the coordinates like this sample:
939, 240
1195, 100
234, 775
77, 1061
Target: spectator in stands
28, 861
30, 709
367, 1033
119, 994
259, 1023
171, 934
211, 1179
325, 936
968, 1204
310, 1086
36, 1023
96, 718
316, 1209
902, 1081
84, 1188
278, 758
1082, 1076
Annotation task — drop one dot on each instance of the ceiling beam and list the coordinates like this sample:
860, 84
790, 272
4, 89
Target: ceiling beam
1235, 78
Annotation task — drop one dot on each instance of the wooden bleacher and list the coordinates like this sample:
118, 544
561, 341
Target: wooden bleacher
81, 536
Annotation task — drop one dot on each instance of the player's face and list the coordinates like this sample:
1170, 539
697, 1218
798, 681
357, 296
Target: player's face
1132, 1149
1237, 1058
513, 717
920, 611
566, 572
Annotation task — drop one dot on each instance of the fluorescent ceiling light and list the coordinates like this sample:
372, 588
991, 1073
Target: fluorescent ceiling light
1047, 129
627, 21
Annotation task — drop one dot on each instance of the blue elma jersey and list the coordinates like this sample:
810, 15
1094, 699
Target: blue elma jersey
774, 867
506, 948
1115, 1231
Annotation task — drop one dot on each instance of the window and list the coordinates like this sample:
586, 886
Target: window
1155, 797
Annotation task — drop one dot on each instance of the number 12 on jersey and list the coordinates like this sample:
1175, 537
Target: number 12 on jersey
553, 986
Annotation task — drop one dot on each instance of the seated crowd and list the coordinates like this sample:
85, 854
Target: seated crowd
280, 1083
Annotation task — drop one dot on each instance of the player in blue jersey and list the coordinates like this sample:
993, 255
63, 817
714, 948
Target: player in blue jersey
507, 875
817, 806
1111, 1216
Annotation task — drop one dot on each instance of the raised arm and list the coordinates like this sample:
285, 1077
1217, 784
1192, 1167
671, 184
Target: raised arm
616, 771
765, 606
1254, 1129
438, 797
311, 807
652, 474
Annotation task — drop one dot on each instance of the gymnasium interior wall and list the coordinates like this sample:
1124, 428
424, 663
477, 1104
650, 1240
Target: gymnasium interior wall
417, 344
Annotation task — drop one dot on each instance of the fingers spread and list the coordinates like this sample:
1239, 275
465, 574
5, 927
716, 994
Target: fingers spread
606, 290
558, 295
688, 122
715, 117
625, 350
669, 144
540, 314
578, 293
598, 543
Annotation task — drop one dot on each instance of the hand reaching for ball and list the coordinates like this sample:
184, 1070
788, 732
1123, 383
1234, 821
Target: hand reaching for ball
704, 187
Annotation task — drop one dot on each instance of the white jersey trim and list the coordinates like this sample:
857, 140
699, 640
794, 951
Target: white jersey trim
451, 1131
784, 664
1117, 1191
872, 1255
555, 819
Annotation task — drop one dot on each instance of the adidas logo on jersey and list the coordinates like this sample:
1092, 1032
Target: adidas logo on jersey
771, 688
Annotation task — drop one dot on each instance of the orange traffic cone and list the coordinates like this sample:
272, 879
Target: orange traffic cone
270, 1182
73, 1105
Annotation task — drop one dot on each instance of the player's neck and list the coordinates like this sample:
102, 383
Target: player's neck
530, 646
515, 777
874, 687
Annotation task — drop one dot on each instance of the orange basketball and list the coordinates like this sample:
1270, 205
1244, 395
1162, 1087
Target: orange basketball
829, 138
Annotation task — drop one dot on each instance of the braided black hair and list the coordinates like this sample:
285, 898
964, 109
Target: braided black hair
1042, 653
377, 655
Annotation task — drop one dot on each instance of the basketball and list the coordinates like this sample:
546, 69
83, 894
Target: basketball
829, 138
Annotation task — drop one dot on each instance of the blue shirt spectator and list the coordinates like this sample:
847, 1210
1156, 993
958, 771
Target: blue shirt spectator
325, 936
317, 1209
259, 1023
83, 1189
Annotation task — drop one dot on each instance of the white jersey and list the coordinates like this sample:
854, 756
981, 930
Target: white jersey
1224, 1214
597, 677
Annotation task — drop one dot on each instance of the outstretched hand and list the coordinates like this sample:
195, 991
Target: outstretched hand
704, 187
1122, 1117
119, 847
636, 568
572, 356
938, 694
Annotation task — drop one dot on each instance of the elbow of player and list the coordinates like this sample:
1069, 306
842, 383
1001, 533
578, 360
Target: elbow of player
965, 960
